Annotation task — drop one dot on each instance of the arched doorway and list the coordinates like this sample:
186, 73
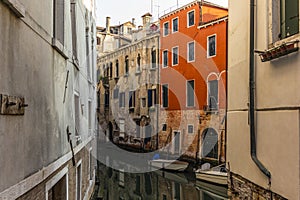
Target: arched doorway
210, 145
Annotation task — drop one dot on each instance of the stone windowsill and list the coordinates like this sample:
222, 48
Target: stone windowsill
59, 48
17, 7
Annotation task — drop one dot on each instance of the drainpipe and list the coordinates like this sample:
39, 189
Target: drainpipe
262, 168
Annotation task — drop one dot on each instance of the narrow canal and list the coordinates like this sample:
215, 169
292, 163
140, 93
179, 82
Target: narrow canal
120, 179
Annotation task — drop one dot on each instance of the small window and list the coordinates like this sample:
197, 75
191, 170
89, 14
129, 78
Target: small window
175, 25
190, 129
153, 58
151, 97
190, 93
211, 46
191, 18
77, 114
174, 56
165, 58
117, 68
165, 95
122, 100
164, 127
131, 99
126, 65
116, 93
106, 99
110, 70
289, 18
166, 28
191, 51
138, 62
78, 182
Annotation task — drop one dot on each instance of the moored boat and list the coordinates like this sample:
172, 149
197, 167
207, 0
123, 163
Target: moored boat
172, 165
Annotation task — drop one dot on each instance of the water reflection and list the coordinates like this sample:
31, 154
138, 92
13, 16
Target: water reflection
161, 185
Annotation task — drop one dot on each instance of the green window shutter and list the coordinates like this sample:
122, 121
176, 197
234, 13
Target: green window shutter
289, 17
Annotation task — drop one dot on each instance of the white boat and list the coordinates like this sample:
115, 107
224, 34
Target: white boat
215, 177
173, 165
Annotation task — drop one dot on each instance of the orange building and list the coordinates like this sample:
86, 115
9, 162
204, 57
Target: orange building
193, 81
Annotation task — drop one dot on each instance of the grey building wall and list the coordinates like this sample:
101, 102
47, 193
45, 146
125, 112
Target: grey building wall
32, 68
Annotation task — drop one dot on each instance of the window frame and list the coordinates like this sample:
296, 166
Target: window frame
188, 130
176, 18
208, 45
187, 94
164, 29
188, 21
162, 95
175, 64
163, 58
188, 52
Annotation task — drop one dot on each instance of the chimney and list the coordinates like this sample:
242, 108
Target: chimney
133, 21
107, 24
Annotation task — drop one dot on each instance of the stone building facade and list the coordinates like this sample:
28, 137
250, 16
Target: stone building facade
47, 99
193, 68
263, 123
128, 91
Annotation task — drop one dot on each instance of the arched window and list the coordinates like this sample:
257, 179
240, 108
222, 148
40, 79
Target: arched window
126, 65
210, 143
117, 68
153, 58
138, 61
110, 69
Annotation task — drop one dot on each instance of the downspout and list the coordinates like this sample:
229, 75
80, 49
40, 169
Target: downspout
262, 168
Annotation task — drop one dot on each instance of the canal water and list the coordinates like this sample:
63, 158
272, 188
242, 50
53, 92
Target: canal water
157, 185
119, 181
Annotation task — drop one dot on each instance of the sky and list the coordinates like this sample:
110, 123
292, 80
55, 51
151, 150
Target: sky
122, 11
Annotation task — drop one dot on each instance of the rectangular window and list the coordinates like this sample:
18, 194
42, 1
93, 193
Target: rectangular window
116, 93
174, 56
165, 58
191, 18
117, 68
57, 186
151, 97
190, 93
164, 127
175, 25
211, 46
191, 51
106, 99
77, 109
74, 31
90, 115
59, 21
190, 129
91, 165
78, 182
131, 99
122, 125
166, 28
122, 100
213, 94
289, 18
165, 95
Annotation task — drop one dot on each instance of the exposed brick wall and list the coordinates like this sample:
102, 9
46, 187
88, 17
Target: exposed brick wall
241, 188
